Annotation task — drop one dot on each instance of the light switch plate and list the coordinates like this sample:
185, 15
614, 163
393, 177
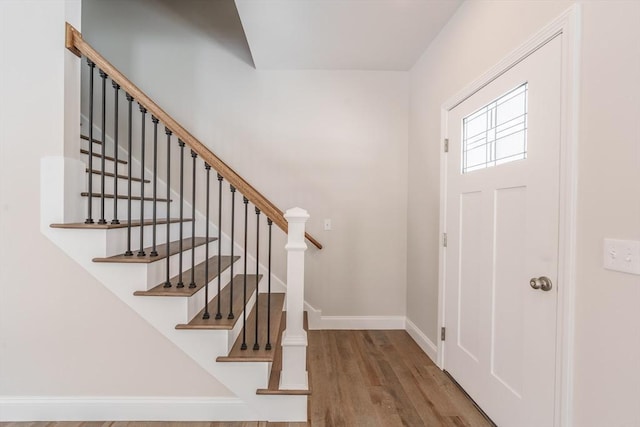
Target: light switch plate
622, 255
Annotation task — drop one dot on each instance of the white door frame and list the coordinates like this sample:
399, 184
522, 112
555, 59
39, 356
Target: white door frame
567, 24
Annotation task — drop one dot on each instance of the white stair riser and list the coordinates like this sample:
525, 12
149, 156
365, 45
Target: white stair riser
237, 329
196, 302
109, 186
108, 164
156, 271
117, 238
161, 208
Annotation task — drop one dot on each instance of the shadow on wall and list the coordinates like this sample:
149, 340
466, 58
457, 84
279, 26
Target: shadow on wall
217, 19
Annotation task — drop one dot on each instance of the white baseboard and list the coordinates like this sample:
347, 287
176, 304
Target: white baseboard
362, 322
42, 408
423, 341
318, 321
313, 315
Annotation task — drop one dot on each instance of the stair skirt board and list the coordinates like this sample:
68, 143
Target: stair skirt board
59, 178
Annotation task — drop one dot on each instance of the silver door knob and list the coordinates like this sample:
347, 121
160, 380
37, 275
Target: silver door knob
542, 283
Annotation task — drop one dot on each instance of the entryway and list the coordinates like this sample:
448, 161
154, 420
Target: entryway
502, 216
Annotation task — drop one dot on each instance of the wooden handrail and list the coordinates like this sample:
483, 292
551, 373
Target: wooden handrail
76, 44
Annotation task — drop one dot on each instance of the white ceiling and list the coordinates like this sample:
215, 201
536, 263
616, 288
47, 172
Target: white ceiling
341, 34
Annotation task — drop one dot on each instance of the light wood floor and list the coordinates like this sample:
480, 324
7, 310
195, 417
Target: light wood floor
360, 378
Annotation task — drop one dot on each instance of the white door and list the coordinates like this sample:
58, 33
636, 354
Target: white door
502, 211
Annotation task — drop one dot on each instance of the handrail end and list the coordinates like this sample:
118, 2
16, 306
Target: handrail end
313, 241
70, 37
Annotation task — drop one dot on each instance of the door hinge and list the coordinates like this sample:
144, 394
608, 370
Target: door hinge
446, 145
444, 239
443, 333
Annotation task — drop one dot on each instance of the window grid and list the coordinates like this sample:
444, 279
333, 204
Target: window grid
496, 133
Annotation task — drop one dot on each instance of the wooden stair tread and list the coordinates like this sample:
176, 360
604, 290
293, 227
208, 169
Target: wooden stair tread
160, 291
225, 323
261, 355
276, 367
111, 159
86, 138
109, 174
161, 249
109, 226
122, 197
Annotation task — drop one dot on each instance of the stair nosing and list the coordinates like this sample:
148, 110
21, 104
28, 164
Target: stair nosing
109, 226
213, 305
86, 138
186, 291
124, 197
109, 158
246, 354
112, 175
147, 259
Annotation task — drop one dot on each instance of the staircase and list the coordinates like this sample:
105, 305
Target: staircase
201, 276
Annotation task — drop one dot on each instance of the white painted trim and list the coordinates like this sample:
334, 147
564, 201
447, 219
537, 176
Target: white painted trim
422, 340
569, 25
115, 408
572, 29
444, 123
314, 316
319, 322
293, 375
362, 322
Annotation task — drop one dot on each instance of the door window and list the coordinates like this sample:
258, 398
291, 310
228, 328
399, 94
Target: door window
496, 133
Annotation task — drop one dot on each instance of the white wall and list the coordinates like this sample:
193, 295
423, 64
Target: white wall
607, 345
332, 142
61, 332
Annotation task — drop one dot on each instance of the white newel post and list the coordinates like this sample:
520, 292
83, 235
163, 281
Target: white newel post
294, 339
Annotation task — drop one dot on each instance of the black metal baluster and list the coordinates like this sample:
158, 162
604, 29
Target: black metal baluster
233, 222
129, 149
116, 88
89, 219
180, 282
206, 254
154, 251
194, 155
167, 283
256, 346
268, 345
142, 148
218, 314
244, 303
103, 76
